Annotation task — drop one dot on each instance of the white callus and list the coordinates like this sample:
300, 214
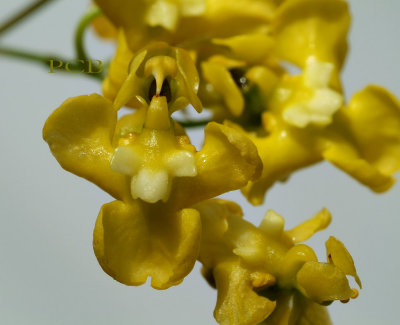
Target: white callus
314, 102
154, 157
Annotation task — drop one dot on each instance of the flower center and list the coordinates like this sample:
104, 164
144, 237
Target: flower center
155, 156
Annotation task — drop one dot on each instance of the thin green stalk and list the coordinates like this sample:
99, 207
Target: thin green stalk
20, 16
20, 54
41, 59
80, 32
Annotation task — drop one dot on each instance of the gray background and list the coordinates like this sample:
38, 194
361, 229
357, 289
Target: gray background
48, 272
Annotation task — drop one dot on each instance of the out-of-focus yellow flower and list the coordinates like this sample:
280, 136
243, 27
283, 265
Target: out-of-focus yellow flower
361, 138
264, 273
238, 70
301, 31
304, 122
180, 21
251, 52
215, 25
147, 163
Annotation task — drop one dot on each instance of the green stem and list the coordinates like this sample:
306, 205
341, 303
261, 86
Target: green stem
193, 124
80, 31
26, 55
41, 59
22, 14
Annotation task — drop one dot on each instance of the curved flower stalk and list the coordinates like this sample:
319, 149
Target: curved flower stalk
147, 163
264, 274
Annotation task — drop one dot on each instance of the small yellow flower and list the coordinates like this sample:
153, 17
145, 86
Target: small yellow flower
265, 273
134, 239
147, 163
303, 32
361, 138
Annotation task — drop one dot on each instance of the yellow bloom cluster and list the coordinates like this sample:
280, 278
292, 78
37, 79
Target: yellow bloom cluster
264, 274
302, 118
232, 57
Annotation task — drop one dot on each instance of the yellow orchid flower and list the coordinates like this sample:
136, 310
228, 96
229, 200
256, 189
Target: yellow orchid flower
301, 31
134, 238
264, 274
147, 163
306, 123
296, 121
180, 21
